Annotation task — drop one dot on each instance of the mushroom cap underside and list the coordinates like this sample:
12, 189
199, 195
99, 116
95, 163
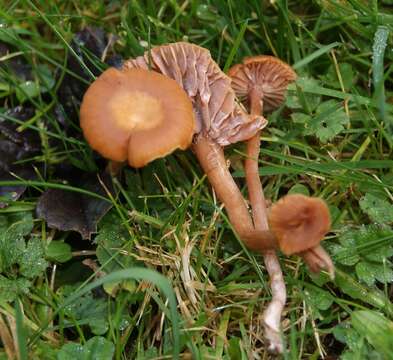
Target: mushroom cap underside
267, 75
299, 222
136, 115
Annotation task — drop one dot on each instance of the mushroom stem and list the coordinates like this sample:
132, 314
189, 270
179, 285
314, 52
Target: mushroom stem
317, 259
113, 168
255, 190
272, 313
212, 159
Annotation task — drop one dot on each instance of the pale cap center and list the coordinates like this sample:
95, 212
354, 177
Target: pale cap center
136, 110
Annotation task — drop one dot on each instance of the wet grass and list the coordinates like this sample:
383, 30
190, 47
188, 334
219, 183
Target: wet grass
333, 139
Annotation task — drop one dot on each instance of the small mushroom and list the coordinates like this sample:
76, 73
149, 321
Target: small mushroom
136, 115
262, 81
299, 222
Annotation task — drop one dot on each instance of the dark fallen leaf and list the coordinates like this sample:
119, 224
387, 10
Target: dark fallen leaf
3, 49
66, 171
15, 65
13, 193
95, 41
91, 46
115, 61
15, 146
67, 210
10, 152
27, 140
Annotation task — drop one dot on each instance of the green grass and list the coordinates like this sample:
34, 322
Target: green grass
333, 137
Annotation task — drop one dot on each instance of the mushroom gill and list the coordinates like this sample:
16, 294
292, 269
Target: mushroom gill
267, 75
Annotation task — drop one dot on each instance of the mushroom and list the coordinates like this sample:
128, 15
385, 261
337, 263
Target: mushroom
303, 226
219, 121
136, 115
262, 82
299, 224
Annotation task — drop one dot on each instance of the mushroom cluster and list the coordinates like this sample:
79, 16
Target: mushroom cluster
175, 97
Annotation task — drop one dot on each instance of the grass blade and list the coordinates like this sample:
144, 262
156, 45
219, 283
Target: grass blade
235, 46
379, 46
315, 55
20, 332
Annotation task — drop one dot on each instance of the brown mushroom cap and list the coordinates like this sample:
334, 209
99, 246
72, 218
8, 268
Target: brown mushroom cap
136, 115
267, 75
299, 222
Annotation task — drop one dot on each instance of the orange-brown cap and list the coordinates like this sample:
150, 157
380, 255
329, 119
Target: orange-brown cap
136, 115
267, 75
299, 222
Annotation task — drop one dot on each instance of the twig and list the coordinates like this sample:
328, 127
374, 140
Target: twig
6, 339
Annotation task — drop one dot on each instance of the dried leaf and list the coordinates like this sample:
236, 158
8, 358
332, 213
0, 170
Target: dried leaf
71, 211
15, 146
